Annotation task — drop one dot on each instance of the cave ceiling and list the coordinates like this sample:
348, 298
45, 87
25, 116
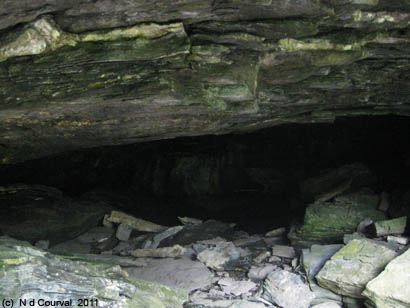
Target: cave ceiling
76, 74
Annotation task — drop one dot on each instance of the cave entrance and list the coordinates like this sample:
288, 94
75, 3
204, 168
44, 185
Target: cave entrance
253, 180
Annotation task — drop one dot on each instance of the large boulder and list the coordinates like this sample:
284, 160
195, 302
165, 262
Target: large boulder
43, 213
28, 273
287, 290
352, 267
392, 287
326, 223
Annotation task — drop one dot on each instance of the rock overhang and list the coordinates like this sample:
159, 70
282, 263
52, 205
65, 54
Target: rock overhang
75, 77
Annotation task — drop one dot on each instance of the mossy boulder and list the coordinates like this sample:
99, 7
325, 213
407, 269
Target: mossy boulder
353, 266
326, 223
33, 274
392, 287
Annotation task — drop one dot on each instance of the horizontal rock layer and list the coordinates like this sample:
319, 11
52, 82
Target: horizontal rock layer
80, 73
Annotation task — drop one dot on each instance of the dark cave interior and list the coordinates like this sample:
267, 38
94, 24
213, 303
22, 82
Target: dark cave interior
251, 179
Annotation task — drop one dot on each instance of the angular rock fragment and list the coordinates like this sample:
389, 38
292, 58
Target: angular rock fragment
283, 251
182, 273
391, 288
158, 238
27, 272
401, 240
135, 223
216, 257
123, 232
352, 267
389, 227
165, 252
328, 222
313, 260
287, 290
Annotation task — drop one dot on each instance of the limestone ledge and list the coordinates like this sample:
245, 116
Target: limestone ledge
44, 35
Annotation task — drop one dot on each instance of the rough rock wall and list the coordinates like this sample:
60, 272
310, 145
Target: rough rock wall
81, 73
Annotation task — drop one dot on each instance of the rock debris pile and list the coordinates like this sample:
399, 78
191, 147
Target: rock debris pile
347, 252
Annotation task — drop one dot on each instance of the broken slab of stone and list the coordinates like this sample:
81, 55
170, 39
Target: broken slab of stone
327, 223
391, 288
156, 240
218, 256
44, 213
313, 260
182, 273
389, 227
123, 232
283, 251
135, 223
401, 240
287, 290
334, 182
352, 267
236, 287
193, 233
164, 252
31, 273
276, 232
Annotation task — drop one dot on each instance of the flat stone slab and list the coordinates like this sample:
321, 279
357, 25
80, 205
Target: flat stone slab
392, 287
31, 273
352, 267
284, 251
182, 273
